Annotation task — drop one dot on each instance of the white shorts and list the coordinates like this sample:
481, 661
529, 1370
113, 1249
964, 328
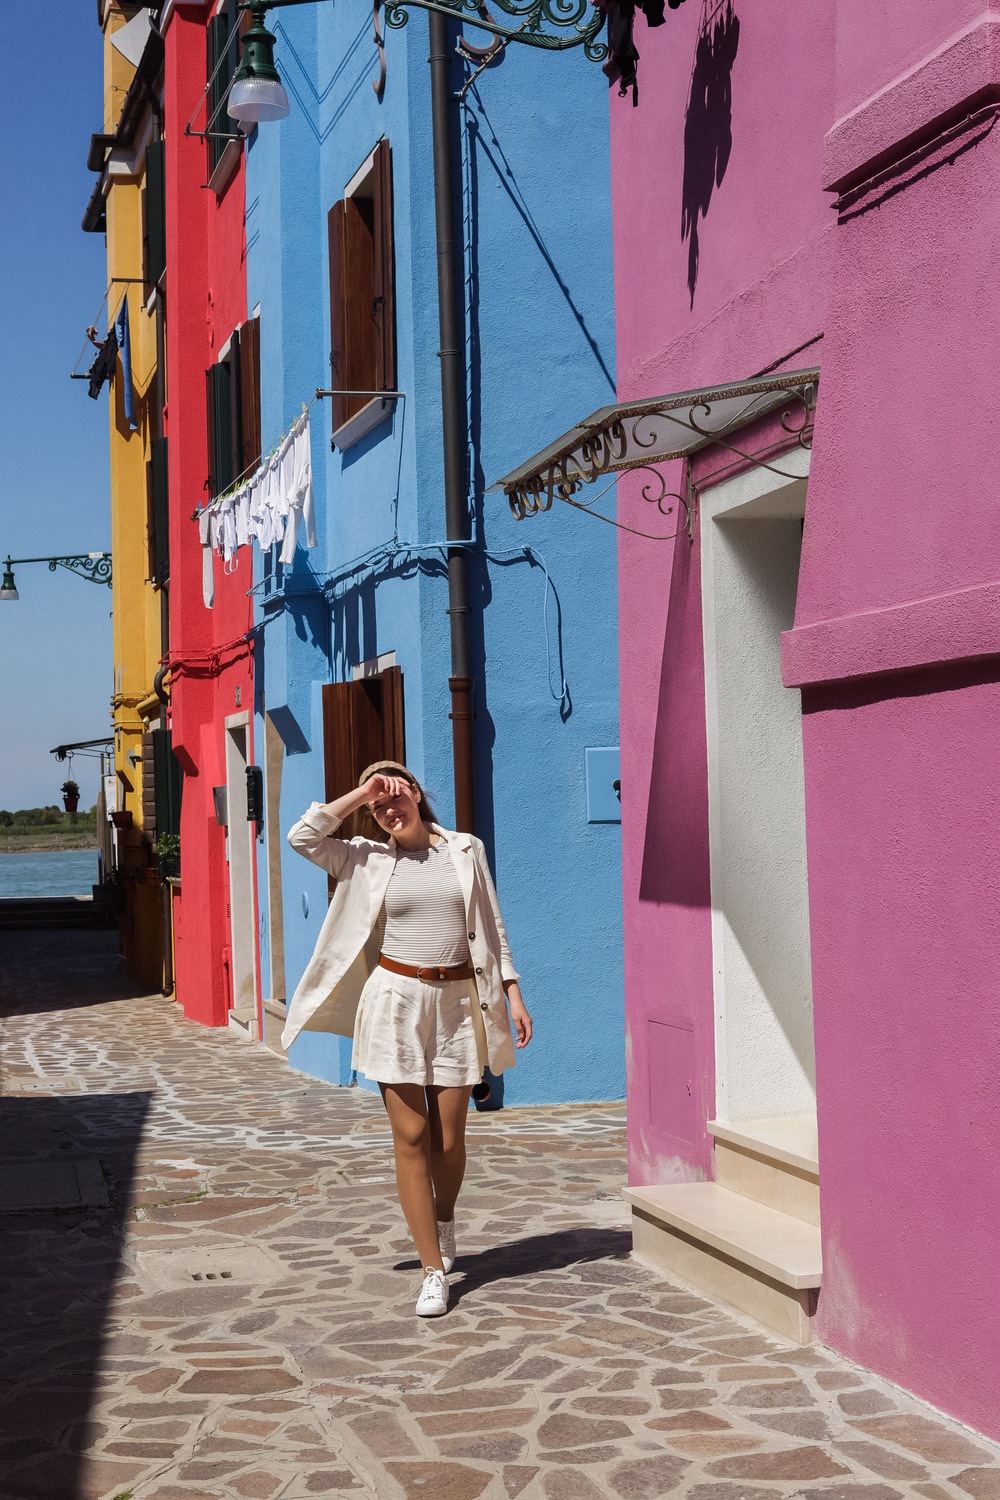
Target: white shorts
411, 1032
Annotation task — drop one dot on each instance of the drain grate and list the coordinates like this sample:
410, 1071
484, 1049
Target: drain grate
239, 1264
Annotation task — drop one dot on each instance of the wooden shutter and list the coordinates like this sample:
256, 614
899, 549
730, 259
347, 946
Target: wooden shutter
148, 790
213, 477
384, 289
335, 239
358, 284
250, 395
223, 426
235, 407
168, 781
160, 515
362, 722
156, 213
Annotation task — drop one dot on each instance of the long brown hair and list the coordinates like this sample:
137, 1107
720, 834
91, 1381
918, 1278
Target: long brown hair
365, 825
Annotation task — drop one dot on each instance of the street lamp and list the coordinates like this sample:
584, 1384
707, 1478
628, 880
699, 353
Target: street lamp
94, 566
257, 93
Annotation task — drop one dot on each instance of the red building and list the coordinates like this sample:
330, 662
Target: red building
213, 430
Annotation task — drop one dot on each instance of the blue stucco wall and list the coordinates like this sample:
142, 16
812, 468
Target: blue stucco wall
533, 193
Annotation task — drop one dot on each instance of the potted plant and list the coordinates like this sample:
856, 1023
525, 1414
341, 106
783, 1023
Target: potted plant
168, 853
70, 795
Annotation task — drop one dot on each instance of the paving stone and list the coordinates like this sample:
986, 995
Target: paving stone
62, 1475
803, 1424
647, 1478
836, 1380
882, 1460
673, 1400
784, 1394
931, 1440
383, 1435
425, 1401
259, 1485
559, 1485
864, 1403
793, 1463
982, 1484
495, 1448
714, 1444
602, 1453
516, 1477
933, 1492
730, 1492
852, 1492
327, 1482
238, 1382
443, 1481
563, 1430
688, 1421
612, 1406
445, 1423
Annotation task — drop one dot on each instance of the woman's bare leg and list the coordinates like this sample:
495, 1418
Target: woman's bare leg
447, 1112
406, 1106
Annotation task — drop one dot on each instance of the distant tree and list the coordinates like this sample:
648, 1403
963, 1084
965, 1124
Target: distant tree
27, 817
6, 818
51, 815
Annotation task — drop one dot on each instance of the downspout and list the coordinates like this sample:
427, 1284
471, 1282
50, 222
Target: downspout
453, 421
158, 687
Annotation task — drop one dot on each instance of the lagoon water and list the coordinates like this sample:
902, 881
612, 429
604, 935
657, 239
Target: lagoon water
67, 872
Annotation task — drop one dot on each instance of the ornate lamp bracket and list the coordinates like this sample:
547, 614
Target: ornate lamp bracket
94, 566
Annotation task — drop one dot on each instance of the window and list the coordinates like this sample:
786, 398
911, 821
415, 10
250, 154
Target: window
362, 722
223, 53
154, 200
232, 394
362, 287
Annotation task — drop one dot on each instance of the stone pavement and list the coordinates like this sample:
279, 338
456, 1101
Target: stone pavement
227, 1310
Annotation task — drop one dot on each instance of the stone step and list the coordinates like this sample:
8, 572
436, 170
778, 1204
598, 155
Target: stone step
244, 1021
774, 1162
766, 1263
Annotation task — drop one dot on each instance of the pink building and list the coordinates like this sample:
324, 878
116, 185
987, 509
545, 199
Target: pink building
810, 674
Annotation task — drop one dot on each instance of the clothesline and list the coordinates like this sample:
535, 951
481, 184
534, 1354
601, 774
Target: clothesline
252, 468
267, 507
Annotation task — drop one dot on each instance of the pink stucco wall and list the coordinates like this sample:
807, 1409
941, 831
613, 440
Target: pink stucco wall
895, 644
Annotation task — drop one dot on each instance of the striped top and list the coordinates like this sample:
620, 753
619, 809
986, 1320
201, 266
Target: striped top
425, 909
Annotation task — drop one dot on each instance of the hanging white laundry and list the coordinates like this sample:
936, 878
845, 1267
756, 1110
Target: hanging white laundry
256, 505
227, 526
215, 529
300, 492
207, 566
241, 512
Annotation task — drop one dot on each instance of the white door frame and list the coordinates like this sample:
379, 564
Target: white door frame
765, 1060
241, 848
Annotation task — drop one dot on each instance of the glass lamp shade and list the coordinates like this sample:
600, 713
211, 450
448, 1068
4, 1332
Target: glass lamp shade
255, 99
7, 589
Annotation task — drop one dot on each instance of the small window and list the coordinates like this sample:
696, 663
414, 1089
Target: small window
154, 200
221, 62
362, 287
232, 394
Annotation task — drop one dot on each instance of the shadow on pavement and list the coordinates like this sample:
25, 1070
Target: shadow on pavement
559, 1251
59, 1266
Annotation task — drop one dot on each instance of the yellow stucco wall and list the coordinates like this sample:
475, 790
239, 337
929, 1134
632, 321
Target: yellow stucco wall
136, 604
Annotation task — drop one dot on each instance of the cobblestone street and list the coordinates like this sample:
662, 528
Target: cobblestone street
228, 1309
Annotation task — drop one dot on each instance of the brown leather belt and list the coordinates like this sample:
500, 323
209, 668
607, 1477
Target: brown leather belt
427, 973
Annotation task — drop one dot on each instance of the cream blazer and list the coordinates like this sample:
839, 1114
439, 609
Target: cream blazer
350, 941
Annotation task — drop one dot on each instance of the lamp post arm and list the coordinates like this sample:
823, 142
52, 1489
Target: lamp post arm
94, 566
584, 31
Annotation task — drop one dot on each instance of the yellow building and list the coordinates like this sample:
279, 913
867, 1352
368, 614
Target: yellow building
127, 204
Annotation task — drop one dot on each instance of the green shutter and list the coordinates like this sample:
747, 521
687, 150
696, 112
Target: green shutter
156, 213
168, 780
223, 44
161, 535
223, 396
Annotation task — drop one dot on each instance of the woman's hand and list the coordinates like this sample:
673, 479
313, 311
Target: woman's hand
518, 1015
383, 785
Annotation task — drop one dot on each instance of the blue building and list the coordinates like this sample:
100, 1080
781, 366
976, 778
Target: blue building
352, 650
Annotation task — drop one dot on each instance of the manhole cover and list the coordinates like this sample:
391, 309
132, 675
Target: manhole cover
63, 1083
211, 1265
52, 1184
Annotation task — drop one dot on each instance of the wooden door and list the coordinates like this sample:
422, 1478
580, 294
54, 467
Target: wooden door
362, 722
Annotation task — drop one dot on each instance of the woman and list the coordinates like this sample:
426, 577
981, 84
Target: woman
412, 961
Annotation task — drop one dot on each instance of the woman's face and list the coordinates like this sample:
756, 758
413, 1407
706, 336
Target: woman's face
398, 812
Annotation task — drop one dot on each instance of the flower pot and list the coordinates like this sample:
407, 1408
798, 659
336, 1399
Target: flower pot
122, 819
71, 803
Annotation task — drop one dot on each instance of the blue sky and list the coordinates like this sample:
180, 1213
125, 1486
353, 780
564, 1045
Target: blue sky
56, 666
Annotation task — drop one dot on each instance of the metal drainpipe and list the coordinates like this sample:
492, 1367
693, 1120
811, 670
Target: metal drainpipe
160, 401
453, 424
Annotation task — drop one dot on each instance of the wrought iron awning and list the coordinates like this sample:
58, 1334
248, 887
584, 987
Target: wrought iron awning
639, 434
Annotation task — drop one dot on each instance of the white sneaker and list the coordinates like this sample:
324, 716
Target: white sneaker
446, 1243
433, 1299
